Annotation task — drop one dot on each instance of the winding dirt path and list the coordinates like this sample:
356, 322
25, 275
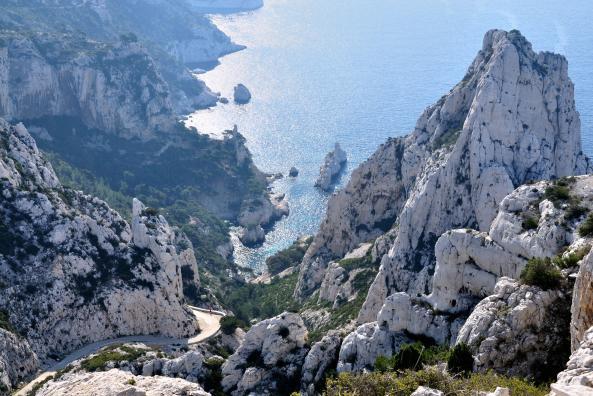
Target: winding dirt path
208, 321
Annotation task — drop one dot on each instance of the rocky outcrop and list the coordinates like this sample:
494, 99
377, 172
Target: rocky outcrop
495, 130
76, 271
114, 89
17, 360
322, 357
520, 330
361, 348
577, 378
258, 214
582, 303
293, 172
469, 263
182, 37
424, 391
118, 382
269, 359
332, 166
241, 94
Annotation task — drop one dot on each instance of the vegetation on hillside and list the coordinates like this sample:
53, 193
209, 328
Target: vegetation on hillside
404, 383
288, 257
542, 273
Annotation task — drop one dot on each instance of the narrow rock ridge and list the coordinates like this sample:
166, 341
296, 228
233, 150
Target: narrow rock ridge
332, 166
512, 119
76, 271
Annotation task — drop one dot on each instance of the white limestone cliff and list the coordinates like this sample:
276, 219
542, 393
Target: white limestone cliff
77, 273
101, 89
495, 130
17, 360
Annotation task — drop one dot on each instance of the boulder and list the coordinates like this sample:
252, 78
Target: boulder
241, 94
520, 330
270, 357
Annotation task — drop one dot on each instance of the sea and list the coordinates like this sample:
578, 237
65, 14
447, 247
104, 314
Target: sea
360, 71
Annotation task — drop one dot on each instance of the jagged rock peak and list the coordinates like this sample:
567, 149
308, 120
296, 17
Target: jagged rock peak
510, 120
332, 165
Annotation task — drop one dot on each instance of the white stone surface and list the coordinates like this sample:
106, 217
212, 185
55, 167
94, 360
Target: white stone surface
272, 351
120, 383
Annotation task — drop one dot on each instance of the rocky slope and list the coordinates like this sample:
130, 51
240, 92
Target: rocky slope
103, 84
512, 119
73, 271
118, 382
174, 34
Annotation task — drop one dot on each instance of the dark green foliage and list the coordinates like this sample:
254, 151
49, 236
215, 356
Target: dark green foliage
575, 211
572, 259
5, 322
413, 356
229, 324
541, 273
557, 194
115, 353
586, 228
289, 257
460, 360
409, 357
150, 212
259, 301
284, 332
530, 222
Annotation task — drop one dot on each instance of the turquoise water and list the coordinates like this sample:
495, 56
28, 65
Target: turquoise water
359, 72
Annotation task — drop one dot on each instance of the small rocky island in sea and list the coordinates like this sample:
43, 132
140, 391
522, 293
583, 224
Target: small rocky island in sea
241, 94
333, 165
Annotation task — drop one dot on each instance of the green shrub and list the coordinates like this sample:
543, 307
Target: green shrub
460, 360
405, 383
384, 364
572, 259
150, 212
5, 322
228, 324
557, 194
586, 228
409, 356
530, 222
114, 353
575, 211
288, 257
541, 273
